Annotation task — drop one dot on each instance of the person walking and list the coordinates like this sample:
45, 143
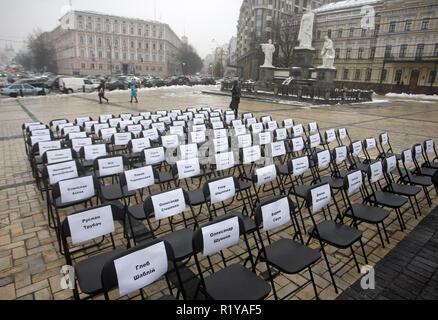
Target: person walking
235, 94
133, 92
101, 90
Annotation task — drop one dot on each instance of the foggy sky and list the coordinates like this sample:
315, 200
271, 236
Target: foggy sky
201, 20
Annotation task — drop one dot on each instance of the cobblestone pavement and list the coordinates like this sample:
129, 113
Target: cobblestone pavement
29, 257
409, 271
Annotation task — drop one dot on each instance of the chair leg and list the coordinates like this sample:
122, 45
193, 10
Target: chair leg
386, 233
354, 257
329, 269
380, 235
313, 283
418, 206
363, 251
413, 208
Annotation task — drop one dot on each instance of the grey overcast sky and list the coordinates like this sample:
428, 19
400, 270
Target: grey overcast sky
201, 20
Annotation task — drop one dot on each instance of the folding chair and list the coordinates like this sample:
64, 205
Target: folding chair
233, 281
386, 148
119, 142
277, 214
378, 197
407, 177
421, 169
78, 231
330, 232
129, 272
342, 135
430, 154
355, 149
264, 177
360, 212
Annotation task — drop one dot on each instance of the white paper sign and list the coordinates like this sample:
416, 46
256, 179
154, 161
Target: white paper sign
250, 122
355, 181
139, 178
104, 117
275, 214
97, 127
177, 130
179, 123
222, 190
323, 159
371, 143
277, 149
281, 134
418, 150
224, 160
266, 119
244, 141
126, 116
78, 143
170, 141
265, 175
110, 166
36, 139
221, 235
272, 125
357, 147
106, 134
299, 166
188, 168
288, 123
94, 151
81, 121
36, 127
239, 130
264, 138
76, 135
251, 154
146, 124
341, 154
188, 151
76, 189
391, 164
197, 137
321, 197
141, 268
28, 124
220, 145
139, 144
56, 156
43, 132
330, 135
298, 130
229, 118
56, 122
429, 146
70, 129
114, 122
124, 123
154, 155
297, 144
89, 124
135, 128
61, 126
152, 134
122, 138
137, 119
217, 125
160, 126
315, 140
169, 203
62, 171
313, 127
247, 115
408, 157
257, 128
342, 133
220, 133
45, 146
236, 123
384, 139
376, 171
91, 224
146, 114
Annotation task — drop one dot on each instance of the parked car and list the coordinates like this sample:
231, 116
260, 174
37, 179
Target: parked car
70, 85
4, 82
16, 90
207, 81
154, 82
115, 84
35, 82
52, 83
179, 81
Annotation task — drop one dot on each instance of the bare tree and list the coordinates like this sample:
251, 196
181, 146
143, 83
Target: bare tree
189, 59
286, 39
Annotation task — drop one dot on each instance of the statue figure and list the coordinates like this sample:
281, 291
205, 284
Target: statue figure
328, 54
306, 29
268, 50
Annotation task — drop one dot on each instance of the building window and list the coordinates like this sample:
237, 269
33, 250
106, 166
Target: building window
403, 49
368, 76
140, 58
82, 65
90, 40
99, 54
425, 24
124, 56
98, 27
376, 31
419, 51
82, 53
392, 26
139, 45
345, 77
351, 32
432, 76
258, 24
154, 47
408, 25
139, 31
116, 28
100, 67
357, 74
132, 44
124, 29
435, 50
364, 33
340, 33
108, 54
92, 66
107, 27
161, 47
388, 50
81, 39
318, 34
99, 42
337, 53
329, 33
116, 55
81, 25
398, 75
92, 54
383, 77
360, 53
348, 54
132, 57
132, 30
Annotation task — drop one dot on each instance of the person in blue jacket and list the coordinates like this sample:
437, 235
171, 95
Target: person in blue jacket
134, 92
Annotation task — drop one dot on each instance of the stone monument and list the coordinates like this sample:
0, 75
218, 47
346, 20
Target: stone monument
326, 72
266, 73
268, 49
304, 53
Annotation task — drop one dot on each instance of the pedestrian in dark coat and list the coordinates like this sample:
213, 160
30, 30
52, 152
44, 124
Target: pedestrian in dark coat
101, 90
235, 94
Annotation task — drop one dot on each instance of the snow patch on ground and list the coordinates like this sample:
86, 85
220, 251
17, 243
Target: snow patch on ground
412, 96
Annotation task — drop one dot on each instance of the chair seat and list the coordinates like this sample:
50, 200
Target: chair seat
114, 192
290, 256
164, 177
403, 189
243, 185
433, 165
137, 211
367, 213
117, 148
248, 223
429, 172
196, 197
335, 183
88, 271
59, 204
419, 180
336, 234
388, 199
236, 283
181, 243
301, 190
283, 169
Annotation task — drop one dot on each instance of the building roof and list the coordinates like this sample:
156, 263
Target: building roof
345, 4
116, 16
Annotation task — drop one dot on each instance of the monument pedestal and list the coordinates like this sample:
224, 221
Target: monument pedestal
266, 78
303, 57
325, 76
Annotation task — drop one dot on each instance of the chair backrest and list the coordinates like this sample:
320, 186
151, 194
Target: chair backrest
298, 130
138, 267
75, 190
139, 144
78, 143
318, 198
369, 144
153, 156
138, 179
62, 171
58, 155
94, 151
375, 173
108, 166
341, 135
288, 123
166, 204
340, 157
330, 136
